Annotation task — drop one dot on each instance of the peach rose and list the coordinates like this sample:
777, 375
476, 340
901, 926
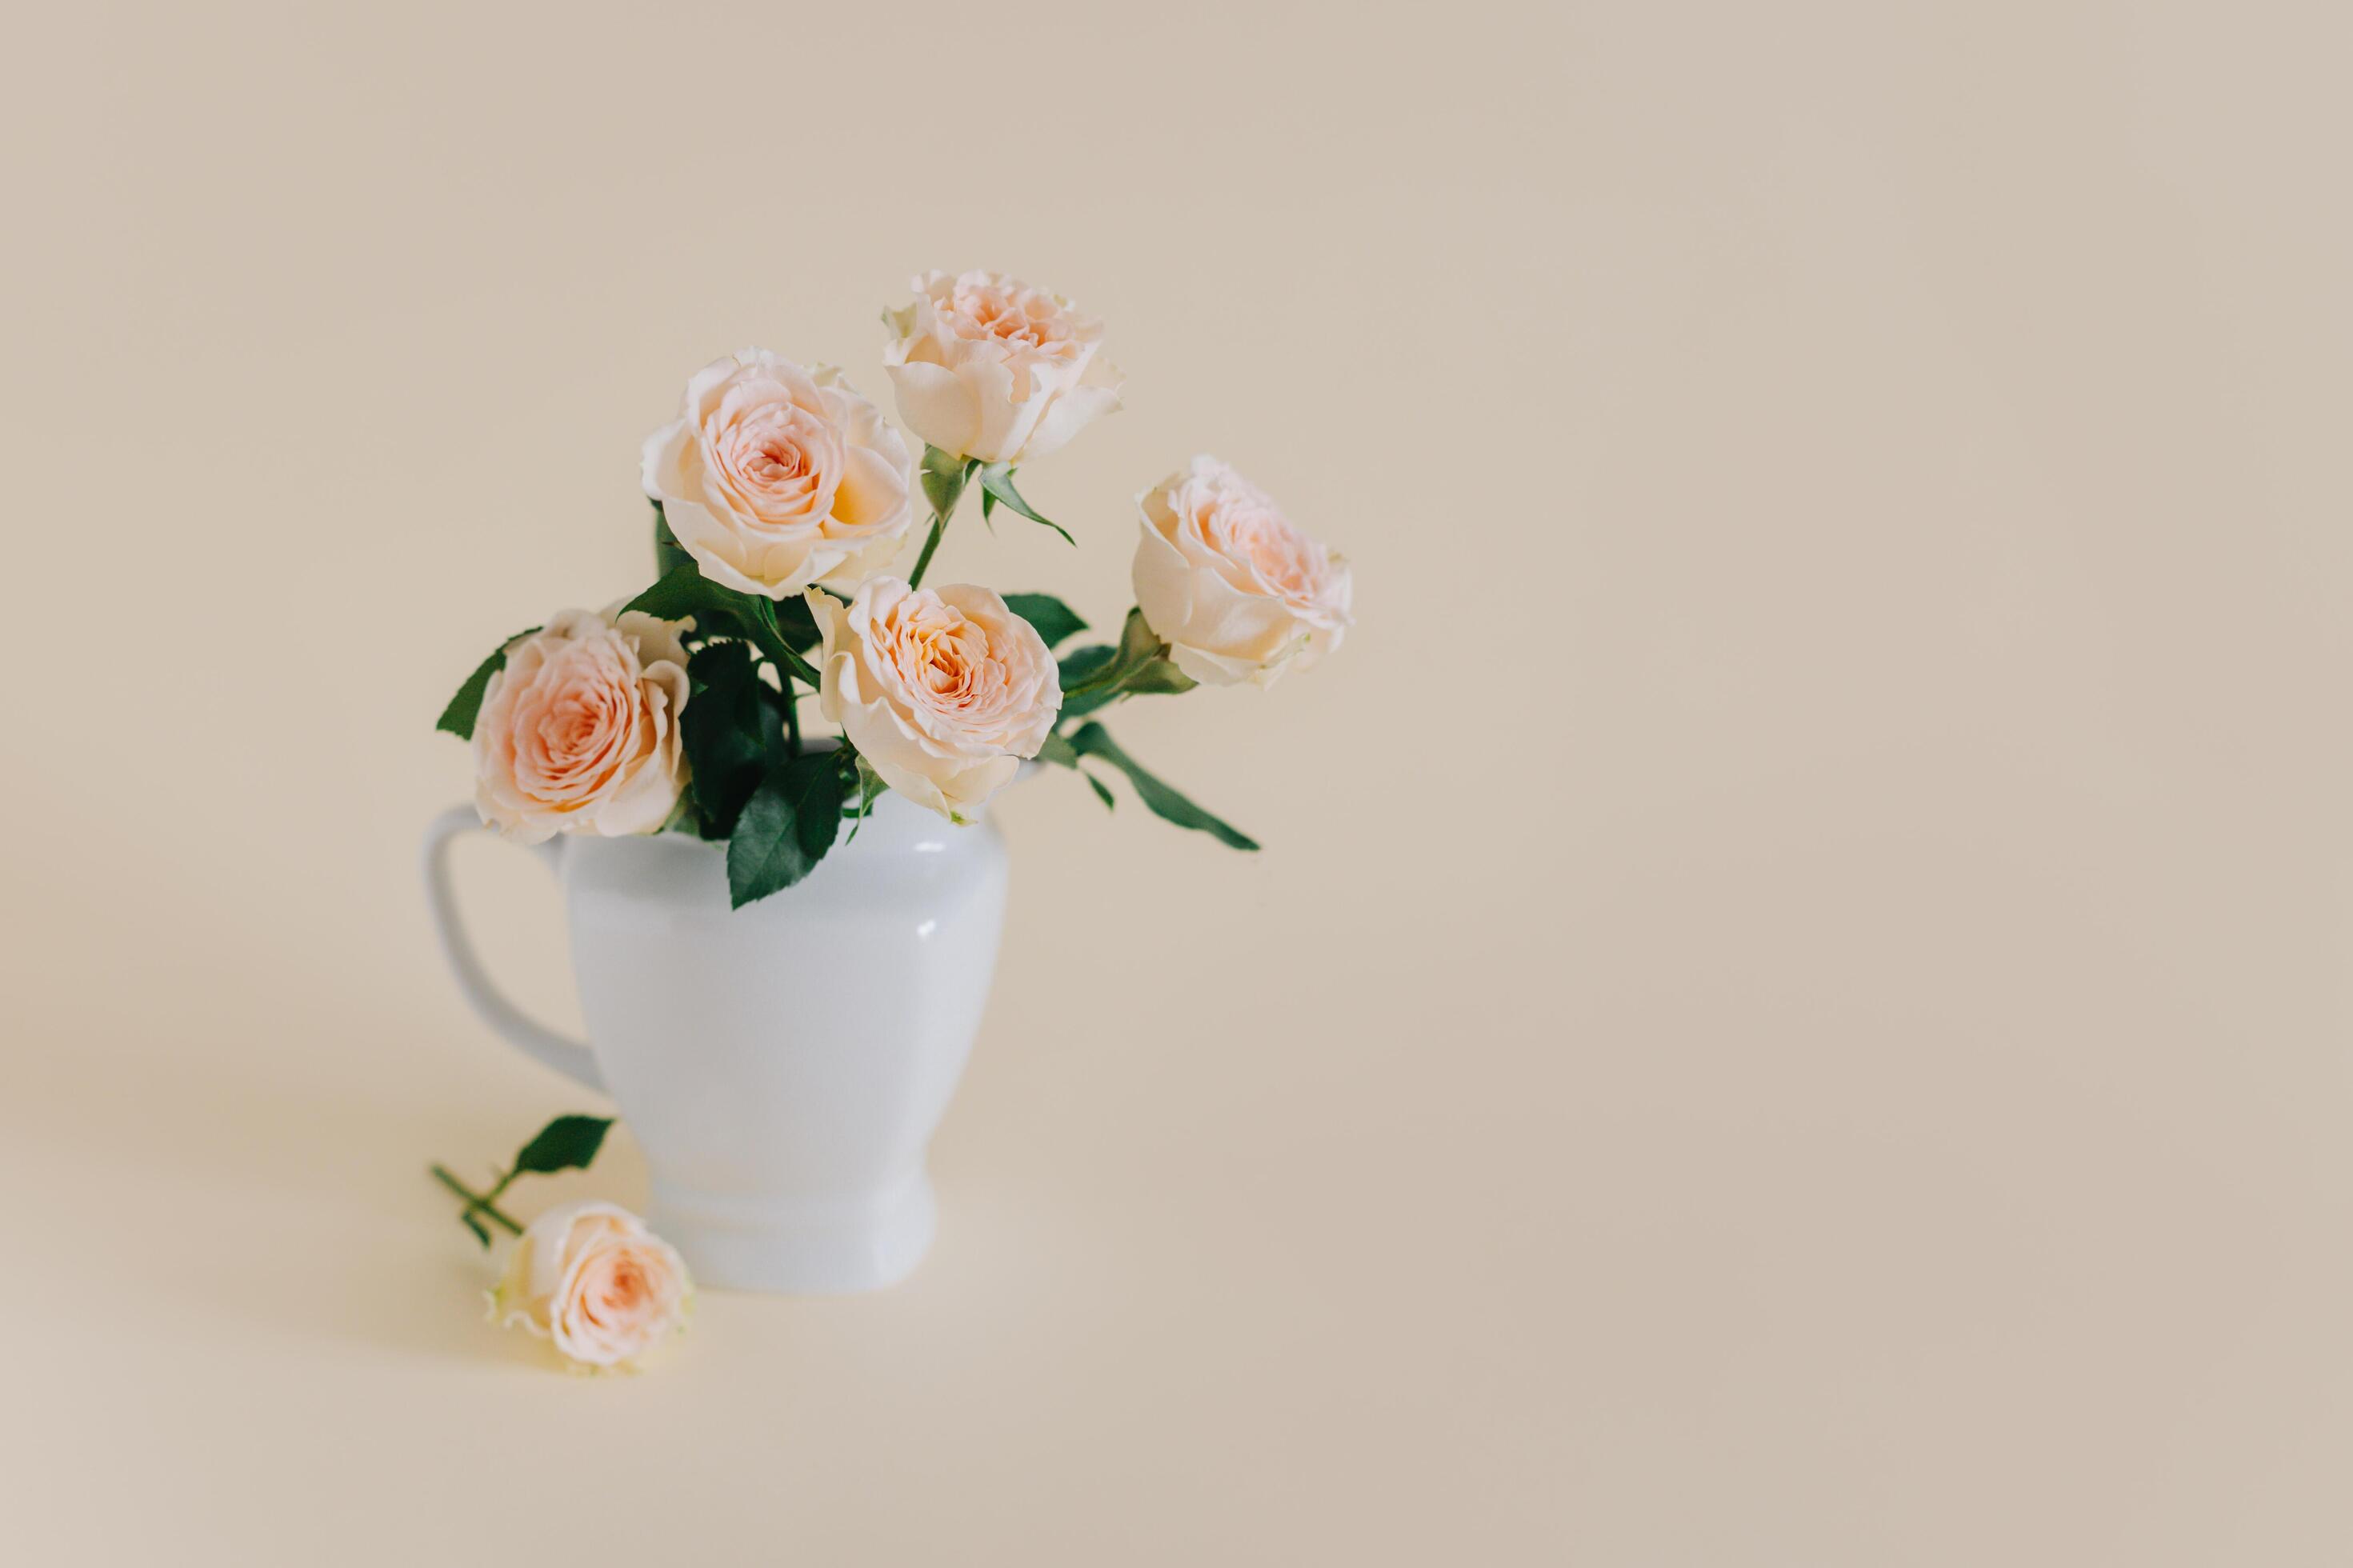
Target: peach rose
1230, 584
578, 732
985, 366
942, 693
772, 478
593, 1278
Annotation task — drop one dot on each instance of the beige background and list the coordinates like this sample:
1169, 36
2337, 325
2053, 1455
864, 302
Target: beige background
1796, 1009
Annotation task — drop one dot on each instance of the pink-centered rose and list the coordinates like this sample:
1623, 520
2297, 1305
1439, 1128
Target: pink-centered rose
942, 693
985, 366
591, 1278
1237, 591
774, 477
579, 732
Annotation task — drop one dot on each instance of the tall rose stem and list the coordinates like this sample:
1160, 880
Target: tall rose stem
931, 542
478, 1202
945, 476
792, 710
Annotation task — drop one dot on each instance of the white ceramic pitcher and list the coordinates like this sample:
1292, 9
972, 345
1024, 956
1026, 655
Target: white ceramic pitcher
782, 1065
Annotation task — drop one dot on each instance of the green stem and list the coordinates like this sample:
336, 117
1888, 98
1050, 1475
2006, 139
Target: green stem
930, 544
792, 712
945, 489
479, 1203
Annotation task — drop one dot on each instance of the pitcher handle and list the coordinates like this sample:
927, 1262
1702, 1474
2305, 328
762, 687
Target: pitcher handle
535, 1040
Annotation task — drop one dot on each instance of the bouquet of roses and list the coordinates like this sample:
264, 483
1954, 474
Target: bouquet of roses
783, 502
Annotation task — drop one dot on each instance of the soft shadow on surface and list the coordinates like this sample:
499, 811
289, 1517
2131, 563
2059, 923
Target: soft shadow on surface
261, 1189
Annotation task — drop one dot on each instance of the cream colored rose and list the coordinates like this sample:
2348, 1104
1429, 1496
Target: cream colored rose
591, 1278
985, 366
1235, 591
942, 693
774, 477
578, 732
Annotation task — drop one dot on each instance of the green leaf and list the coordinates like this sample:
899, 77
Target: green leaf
460, 716
785, 827
684, 590
997, 489
1054, 620
1058, 750
945, 477
1091, 739
1076, 668
1081, 663
798, 625
566, 1143
732, 729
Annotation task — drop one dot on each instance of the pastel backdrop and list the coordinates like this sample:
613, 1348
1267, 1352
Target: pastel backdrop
1795, 1009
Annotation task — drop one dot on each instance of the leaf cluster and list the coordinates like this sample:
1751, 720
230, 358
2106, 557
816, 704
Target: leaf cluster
779, 805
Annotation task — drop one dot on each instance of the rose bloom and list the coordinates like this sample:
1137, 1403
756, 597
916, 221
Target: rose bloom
593, 1278
985, 366
942, 693
579, 732
1235, 590
772, 478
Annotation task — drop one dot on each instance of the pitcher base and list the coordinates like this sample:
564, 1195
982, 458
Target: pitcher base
798, 1246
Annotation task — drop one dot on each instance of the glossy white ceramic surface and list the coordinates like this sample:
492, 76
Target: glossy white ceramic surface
782, 1066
